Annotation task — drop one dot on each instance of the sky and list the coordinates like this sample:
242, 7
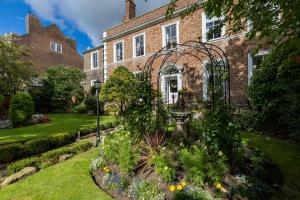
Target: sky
83, 20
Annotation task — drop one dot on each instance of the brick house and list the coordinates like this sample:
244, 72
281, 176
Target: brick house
93, 66
48, 46
137, 38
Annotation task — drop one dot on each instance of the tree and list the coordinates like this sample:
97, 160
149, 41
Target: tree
274, 89
275, 21
120, 88
66, 82
15, 71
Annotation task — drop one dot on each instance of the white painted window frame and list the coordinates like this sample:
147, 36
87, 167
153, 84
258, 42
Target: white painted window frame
250, 63
92, 60
115, 51
92, 82
204, 32
134, 44
205, 76
56, 44
177, 23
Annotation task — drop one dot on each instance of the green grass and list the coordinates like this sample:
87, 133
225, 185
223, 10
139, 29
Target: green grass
60, 123
286, 156
67, 180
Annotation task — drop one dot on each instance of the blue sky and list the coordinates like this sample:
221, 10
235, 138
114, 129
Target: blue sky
84, 20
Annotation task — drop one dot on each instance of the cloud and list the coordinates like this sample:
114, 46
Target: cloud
88, 16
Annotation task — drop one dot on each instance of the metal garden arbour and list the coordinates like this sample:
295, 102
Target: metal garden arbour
210, 56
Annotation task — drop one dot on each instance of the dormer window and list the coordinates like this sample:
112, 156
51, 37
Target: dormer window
56, 47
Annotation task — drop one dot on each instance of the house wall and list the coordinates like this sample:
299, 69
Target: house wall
93, 74
235, 46
38, 41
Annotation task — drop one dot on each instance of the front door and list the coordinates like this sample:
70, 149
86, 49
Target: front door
171, 86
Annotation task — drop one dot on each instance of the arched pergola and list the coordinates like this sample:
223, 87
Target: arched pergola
209, 56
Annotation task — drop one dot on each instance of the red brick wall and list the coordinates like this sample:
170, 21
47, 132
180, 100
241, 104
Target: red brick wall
38, 42
92, 74
190, 28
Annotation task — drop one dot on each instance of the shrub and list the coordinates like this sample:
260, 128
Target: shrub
62, 139
21, 164
1, 98
193, 162
91, 104
274, 91
140, 190
10, 152
164, 167
118, 148
80, 109
21, 108
37, 146
49, 158
192, 193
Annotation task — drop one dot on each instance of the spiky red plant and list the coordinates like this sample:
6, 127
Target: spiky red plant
150, 147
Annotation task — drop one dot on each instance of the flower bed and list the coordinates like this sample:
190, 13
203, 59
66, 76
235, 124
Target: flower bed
157, 167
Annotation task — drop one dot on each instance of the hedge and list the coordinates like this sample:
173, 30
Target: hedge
49, 158
12, 152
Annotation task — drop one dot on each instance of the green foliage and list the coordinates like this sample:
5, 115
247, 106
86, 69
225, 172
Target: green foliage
15, 151
269, 18
163, 166
140, 190
192, 194
15, 71
53, 156
193, 162
118, 148
21, 164
80, 109
66, 82
120, 88
91, 103
10, 152
1, 98
37, 146
201, 166
21, 108
42, 97
274, 91
49, 158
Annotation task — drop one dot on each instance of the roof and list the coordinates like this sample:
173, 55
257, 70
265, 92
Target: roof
93, 49
148, 19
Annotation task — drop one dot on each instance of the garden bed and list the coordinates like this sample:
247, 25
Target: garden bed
159, 168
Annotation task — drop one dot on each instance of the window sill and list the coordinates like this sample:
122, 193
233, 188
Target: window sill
215, 39
138, 56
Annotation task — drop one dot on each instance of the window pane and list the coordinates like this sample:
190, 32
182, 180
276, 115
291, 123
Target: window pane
173, 86
119, 51
213, 26
171, 36
95, 60
139, 45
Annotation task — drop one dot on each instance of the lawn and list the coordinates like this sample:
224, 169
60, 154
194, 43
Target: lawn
60, 123
286, 156
68, 180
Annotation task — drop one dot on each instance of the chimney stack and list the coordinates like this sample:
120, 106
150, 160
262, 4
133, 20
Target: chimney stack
129, 10
32, 22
